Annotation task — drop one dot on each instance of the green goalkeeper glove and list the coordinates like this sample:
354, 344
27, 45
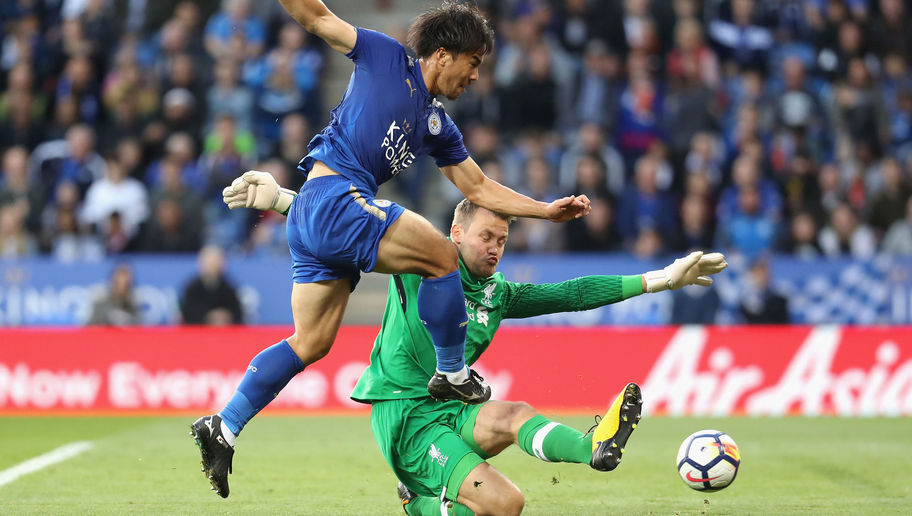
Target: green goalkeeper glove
258, 190
693, 269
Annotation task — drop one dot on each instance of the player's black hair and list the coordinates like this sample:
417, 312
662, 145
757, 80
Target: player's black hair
456, 27
465, 212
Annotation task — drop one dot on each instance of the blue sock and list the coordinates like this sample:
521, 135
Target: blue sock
268, 373
441, 306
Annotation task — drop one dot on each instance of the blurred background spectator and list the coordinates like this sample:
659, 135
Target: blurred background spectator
691, 305
211, 298
898, 239
761, 304
117, 305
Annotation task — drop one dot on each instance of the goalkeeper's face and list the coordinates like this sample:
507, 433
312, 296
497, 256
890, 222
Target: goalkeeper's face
481, 244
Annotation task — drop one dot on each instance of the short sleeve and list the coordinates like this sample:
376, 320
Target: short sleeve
449, 148
376, 50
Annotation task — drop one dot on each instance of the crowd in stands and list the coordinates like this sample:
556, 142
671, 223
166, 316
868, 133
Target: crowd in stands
121, 121
740, 125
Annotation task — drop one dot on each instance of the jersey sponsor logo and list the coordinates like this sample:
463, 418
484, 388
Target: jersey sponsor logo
383, 203
488, 292
481, 315
476, 312
437, 455
434, 124
396, 148
411, 88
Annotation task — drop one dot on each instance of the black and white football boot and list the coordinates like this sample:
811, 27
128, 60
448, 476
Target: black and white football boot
215, 451
472, 392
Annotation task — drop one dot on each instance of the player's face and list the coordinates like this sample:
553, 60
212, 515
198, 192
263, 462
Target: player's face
461, 72
482, 243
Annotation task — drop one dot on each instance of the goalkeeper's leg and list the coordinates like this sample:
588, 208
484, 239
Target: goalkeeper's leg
482, 490
499, 424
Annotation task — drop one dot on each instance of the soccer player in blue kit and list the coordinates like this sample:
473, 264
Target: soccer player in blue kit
388, 117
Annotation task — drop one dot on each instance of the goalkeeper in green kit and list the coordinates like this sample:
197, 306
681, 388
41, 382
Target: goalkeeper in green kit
438, 449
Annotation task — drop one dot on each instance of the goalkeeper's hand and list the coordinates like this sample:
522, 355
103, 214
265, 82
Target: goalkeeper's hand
693, 269
257, 190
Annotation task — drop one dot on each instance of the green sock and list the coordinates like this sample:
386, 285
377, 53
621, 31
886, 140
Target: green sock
554, 442
430, 506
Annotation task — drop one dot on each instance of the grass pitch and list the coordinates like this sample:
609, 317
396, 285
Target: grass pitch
331, 465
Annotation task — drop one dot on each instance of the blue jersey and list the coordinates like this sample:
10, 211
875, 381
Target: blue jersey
386, 119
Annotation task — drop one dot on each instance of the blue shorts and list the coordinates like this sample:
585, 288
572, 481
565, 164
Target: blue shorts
334, 229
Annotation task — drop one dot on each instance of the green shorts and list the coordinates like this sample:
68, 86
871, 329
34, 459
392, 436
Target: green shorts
421, 441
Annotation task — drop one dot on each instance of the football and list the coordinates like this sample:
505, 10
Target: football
708, 460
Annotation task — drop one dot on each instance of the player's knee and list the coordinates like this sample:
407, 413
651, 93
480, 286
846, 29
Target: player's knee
515, 503
446, 260
519, 412
522, 410
509, 502
309, 350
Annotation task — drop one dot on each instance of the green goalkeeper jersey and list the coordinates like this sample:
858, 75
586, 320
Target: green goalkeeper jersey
403, 357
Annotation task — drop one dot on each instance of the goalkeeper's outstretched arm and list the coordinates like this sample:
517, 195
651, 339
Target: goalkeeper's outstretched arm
588, 292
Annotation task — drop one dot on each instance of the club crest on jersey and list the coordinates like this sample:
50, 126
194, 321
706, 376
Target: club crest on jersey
437, 455
434, 123
488, 292
383, 203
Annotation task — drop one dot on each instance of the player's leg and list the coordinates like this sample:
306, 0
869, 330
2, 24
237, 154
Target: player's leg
419, 440
318, 299
483, 490
413, 245
498, 424
320, 225
317, 309
472, 486
488, 491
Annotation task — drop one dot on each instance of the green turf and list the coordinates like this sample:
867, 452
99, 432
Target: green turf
331, 466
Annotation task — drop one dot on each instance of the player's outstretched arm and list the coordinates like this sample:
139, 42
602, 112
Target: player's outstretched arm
314, 16
258, 190
487, 193
588, 292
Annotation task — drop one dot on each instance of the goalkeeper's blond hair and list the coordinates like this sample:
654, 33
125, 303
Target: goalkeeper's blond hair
465, 212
